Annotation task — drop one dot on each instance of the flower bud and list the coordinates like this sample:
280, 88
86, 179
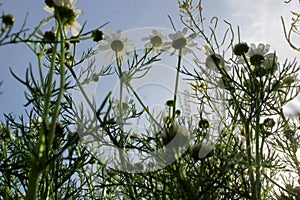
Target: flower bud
240, 49
8, 19
49, 36
269, 123
170, 103
256, 59
203, 123
49, 3
67, 45
97, 35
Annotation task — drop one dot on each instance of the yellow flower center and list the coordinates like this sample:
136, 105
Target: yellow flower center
67, 15
257, 59
156, 41
179, 43
117, 45
8, 20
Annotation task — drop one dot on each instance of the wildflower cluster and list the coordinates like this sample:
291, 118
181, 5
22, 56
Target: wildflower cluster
183, 115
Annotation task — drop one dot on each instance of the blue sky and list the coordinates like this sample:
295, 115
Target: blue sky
259, 22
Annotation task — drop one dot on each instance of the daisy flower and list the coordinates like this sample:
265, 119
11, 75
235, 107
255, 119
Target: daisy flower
261, 52
260, 58
181, 42
212, 59
116, 45
155, 41
47, 36
259, 55
67, 14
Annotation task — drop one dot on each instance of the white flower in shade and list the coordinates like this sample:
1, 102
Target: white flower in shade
67, 15
259, 55
181, 42
116, 45
260, 49
262, 62
155, 41
213, 60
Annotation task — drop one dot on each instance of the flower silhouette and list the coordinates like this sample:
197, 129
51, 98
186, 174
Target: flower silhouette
213, 60
67, 14
262, 62
155, 41
117, 46
181, 42
259, 53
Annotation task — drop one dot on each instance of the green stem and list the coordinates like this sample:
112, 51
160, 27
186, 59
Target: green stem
249, 155
39, 160
33, 181
258, 146
40, 56
257, 160
7, 176
247, 63
41, 147
120, 119
62, 70
48, 90
176, 84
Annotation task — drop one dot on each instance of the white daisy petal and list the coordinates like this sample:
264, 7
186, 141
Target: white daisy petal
104, 47
78, 12
48, 9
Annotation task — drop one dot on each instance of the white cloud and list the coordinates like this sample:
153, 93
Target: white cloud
259, 21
